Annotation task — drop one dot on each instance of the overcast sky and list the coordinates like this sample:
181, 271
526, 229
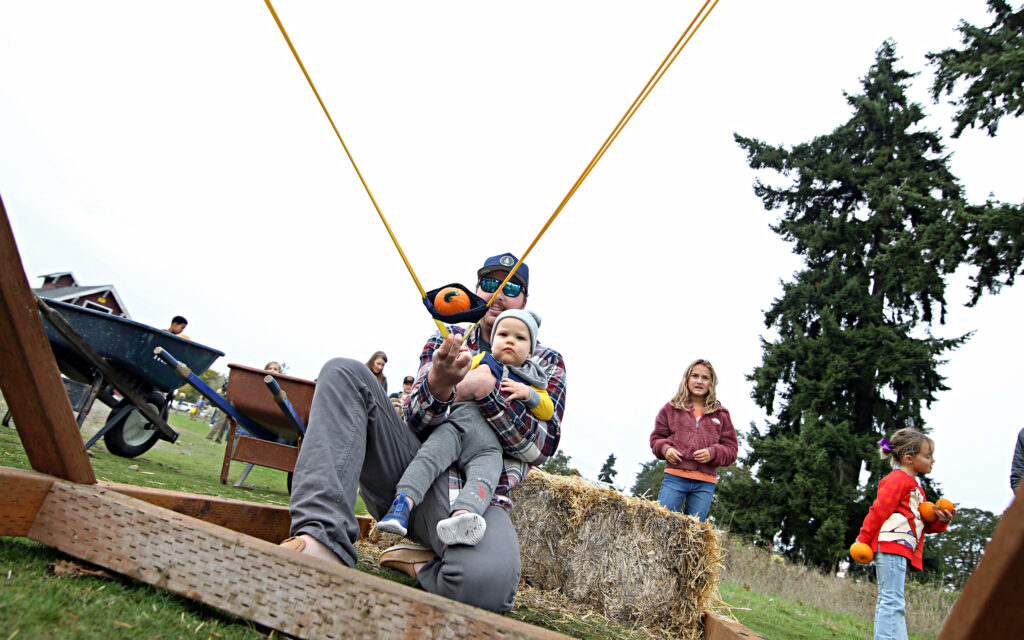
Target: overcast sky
175, 151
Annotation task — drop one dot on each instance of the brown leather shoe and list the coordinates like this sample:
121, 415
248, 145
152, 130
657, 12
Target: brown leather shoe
294, 543
405, 557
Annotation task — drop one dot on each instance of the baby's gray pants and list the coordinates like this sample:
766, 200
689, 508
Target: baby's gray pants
467, 438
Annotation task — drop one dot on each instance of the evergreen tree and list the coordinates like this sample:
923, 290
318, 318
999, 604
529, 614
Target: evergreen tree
558, 465
992, 63
878, 217
648, 481
608, 472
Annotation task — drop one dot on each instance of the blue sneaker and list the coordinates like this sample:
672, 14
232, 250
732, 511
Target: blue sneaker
396, 520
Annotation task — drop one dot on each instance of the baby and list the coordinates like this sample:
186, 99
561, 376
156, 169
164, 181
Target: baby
466, 436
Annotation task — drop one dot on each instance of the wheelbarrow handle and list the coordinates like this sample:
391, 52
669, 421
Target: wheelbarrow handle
281, 398
211, 395
63, 327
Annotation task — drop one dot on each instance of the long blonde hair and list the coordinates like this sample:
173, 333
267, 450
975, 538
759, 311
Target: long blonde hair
682, 399
905, 442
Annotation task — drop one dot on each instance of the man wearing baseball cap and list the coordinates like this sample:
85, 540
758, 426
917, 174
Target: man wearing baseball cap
355, 441
513, 295
398, 397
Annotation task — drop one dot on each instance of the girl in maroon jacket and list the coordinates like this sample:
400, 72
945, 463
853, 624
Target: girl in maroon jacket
694, 434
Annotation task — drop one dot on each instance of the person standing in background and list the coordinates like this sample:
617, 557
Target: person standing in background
376, 366
398, 397
178, 324
693, 433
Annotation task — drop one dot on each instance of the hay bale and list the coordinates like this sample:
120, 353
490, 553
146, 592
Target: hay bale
628, 559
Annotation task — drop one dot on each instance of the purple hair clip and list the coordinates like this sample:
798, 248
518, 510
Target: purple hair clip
884, 443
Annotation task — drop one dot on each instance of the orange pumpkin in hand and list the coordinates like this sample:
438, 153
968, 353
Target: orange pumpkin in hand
927, 510
945, 505
861, 552
451, 300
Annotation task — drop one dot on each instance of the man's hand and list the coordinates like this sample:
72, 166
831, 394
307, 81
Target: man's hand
515, 390
450, 362
477, 384
673, 456
702, 456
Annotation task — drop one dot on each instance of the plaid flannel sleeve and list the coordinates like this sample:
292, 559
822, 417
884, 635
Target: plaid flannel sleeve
422, 410
521, 434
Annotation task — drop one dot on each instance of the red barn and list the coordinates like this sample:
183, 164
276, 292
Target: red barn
101, 297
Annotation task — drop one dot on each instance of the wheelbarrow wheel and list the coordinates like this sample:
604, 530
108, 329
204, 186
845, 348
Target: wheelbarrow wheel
131, 434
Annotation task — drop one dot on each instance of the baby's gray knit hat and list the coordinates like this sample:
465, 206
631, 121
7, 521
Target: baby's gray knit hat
529, 318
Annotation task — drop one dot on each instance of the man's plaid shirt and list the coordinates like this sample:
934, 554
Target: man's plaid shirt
519, 431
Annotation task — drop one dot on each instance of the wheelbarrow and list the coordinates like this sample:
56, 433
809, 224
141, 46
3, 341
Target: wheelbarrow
100, 350
273, 407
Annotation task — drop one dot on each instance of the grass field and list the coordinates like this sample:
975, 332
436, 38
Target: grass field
41, 600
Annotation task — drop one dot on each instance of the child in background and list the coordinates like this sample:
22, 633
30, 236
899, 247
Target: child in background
467, 438
895, 530
695, 436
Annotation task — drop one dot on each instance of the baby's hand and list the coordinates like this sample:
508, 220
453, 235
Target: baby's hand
515, 390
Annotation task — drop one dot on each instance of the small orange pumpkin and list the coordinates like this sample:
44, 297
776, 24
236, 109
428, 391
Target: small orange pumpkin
451, 300
861, 552
927, 510
945, 505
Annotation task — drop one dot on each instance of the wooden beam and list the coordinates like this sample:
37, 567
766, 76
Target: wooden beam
264, 521
718, 628
251, 578
29, 376
989, 604
22, 496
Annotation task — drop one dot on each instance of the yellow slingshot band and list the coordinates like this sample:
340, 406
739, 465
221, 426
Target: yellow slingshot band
681, 43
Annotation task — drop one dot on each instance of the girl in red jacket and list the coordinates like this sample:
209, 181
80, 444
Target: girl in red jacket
895, 530
694, 434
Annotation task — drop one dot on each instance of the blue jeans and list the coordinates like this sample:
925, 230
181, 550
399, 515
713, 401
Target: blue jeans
891, 610
696, 494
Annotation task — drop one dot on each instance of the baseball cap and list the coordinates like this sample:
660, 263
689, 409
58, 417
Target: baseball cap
505, 262
408, 379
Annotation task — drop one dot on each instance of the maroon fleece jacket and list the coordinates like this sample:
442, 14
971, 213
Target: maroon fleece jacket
679, 428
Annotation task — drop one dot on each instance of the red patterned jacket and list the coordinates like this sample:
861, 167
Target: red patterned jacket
894, 523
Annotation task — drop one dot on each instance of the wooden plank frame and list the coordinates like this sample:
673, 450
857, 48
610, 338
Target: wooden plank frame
252, 578
718, 628
989, 604
29, 375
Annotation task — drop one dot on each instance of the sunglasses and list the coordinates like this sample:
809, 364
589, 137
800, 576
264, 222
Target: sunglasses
511, 289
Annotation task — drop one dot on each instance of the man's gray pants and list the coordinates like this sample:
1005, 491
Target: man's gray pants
355, 439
